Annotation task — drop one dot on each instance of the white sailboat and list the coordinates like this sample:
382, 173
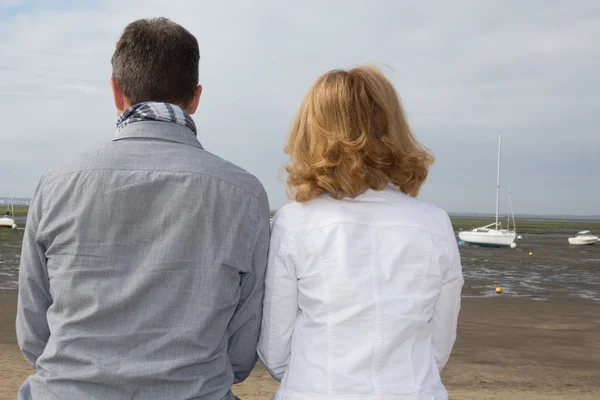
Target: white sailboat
491, 235
7, 220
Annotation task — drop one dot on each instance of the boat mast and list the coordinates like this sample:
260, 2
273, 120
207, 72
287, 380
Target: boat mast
509, 210
512, 214
498, 184
11, 206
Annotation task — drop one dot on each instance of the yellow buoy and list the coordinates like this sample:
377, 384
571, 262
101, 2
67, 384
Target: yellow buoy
498, 290
530, 253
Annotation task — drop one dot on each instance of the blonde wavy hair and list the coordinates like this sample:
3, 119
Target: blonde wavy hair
351, 134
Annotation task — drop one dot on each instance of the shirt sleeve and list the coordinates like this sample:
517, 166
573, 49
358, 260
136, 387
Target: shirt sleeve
281, 304
445, 314
34, 297
244, 326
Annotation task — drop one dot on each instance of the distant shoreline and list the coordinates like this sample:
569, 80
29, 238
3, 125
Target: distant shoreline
526, 223
526, 217
23, 202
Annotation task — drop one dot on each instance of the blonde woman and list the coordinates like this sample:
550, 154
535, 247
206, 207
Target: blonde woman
364, 280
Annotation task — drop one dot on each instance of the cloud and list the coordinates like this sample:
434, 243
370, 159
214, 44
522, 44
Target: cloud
465, 70
10, 3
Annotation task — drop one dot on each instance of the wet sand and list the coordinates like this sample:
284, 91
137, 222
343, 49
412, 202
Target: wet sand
555, 271
507, 348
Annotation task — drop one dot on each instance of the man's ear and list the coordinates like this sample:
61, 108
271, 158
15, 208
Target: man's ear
119, 98
193, 106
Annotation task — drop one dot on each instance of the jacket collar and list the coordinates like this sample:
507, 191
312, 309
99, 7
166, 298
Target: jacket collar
166, 131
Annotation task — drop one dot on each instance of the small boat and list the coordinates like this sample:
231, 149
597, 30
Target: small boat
584, 238
7, 220
492, 235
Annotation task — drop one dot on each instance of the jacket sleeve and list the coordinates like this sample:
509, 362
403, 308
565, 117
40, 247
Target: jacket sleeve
445, 314
34, 297
281, 303
244, 326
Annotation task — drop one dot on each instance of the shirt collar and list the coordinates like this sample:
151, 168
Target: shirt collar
166, 131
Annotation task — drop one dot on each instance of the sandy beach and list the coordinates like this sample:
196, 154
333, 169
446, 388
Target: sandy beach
507, 348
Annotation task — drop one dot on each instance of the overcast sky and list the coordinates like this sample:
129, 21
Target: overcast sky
465, 70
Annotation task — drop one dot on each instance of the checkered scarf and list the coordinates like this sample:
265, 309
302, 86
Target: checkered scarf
155, 111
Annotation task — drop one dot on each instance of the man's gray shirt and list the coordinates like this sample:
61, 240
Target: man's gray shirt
142, 272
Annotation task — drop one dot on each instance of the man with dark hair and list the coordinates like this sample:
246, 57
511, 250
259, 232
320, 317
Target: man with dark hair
143, 262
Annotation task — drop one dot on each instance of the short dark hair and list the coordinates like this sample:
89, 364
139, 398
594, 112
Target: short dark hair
156, 60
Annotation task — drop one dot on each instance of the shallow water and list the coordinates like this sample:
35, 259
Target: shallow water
10, 255
556, 269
